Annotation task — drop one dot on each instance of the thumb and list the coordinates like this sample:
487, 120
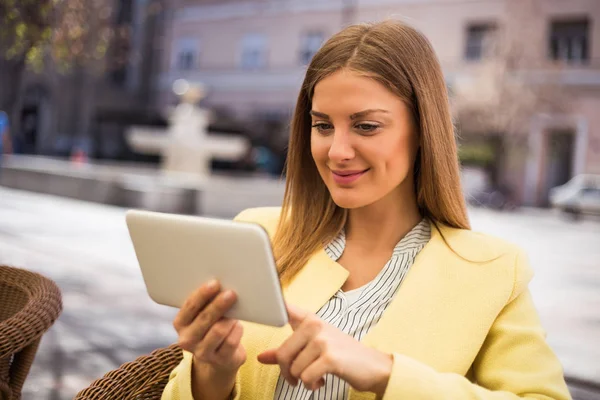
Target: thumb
268, 357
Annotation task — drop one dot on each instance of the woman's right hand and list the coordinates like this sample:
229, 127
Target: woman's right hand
213, 340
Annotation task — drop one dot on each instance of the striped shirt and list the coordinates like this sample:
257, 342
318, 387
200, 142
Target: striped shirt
355, 312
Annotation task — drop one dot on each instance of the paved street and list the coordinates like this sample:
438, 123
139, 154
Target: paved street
108, 318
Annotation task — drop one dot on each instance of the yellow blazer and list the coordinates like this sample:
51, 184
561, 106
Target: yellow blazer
462, 325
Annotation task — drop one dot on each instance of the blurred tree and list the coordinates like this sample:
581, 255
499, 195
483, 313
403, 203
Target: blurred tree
503, 94
24, 24
81, 39
70, 34
494, 105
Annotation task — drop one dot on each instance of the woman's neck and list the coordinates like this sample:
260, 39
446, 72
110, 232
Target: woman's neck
380, 226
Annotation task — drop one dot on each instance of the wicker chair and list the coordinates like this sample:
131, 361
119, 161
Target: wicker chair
29, 305
142, 379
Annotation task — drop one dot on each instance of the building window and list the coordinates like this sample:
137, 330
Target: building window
309, 45
254, 51
569, 41
186, 54
480, 41
185, 60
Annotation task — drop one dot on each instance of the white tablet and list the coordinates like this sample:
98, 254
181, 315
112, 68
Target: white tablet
178, 253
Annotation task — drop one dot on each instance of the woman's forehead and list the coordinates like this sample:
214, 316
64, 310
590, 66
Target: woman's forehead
349, 93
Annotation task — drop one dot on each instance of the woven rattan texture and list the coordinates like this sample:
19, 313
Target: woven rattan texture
142, 379
29, 305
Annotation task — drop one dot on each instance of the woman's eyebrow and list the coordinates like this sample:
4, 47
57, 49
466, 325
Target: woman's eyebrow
354, 116
364, 113
319, 114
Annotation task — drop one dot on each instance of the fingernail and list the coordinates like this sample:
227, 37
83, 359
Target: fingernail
228, 295
212, 284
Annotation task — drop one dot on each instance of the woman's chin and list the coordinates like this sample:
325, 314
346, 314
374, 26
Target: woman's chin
348, 201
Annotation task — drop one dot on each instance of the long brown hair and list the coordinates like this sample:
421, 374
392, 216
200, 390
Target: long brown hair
402, 59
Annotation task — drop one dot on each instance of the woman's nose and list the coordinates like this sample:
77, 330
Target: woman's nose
341, 148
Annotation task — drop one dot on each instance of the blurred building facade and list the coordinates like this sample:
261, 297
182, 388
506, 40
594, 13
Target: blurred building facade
252, 56
85, 110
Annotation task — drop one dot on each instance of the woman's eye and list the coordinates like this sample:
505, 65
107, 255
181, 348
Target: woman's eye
322, 126
366, 128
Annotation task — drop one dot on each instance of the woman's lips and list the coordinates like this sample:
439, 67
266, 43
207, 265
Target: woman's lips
347, 177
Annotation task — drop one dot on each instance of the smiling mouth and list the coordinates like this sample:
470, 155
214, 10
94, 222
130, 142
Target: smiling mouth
349, 173
347, 177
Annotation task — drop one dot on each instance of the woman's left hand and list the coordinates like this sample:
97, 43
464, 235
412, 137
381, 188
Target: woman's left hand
317, 348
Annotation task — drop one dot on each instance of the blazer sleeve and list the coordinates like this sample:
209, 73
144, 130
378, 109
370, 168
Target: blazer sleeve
514, 362
179, 386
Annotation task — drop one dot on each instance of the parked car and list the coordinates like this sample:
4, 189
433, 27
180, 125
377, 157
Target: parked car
581, 195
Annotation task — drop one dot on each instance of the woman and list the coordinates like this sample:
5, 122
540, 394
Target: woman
389, 293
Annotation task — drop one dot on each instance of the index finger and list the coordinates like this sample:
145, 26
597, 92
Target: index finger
296, 315
196, 303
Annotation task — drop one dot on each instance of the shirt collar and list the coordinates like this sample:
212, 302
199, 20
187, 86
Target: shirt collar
414, 241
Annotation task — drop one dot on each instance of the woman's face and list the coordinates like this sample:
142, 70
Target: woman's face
363, 140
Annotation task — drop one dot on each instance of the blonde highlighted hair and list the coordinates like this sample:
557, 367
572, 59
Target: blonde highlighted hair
402, 59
